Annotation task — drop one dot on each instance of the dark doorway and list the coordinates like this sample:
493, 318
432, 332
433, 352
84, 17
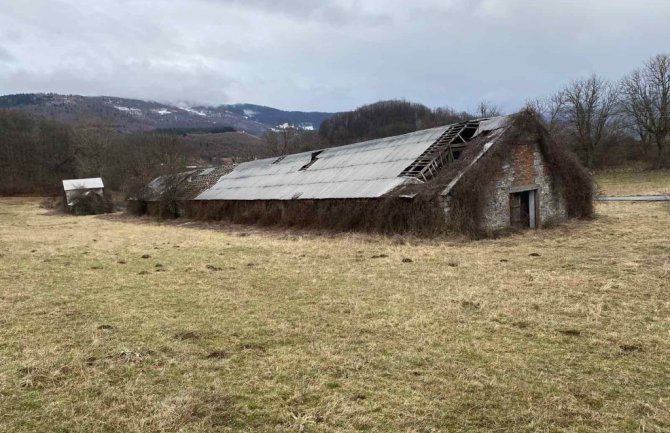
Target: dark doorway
522, 209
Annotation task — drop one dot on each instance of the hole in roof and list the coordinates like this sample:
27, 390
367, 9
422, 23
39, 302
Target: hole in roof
313, 160
469, 131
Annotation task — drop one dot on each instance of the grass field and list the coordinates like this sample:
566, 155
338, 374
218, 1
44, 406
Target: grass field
634, 182
114, 324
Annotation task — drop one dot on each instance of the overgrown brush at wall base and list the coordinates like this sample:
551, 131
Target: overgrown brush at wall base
136, 207
387, 215
90, 204
168, 202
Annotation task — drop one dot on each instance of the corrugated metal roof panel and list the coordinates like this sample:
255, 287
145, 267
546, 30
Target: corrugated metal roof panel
362, 170
368, 169
88, 183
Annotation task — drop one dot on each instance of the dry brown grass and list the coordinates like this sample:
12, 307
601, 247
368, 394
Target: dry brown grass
633, 182
558, 330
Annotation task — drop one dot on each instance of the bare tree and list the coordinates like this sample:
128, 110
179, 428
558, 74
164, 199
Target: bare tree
635, 116
646, 101
589, 107
280, 139
548, 110
488, 109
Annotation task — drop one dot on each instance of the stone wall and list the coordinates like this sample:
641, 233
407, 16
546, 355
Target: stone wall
525, 169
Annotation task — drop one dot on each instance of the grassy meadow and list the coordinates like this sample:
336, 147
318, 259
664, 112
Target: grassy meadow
630, 182
121, 324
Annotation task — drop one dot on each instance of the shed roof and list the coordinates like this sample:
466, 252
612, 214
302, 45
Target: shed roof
88, 183
363, 170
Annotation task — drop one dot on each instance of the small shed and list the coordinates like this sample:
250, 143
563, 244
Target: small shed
74, 190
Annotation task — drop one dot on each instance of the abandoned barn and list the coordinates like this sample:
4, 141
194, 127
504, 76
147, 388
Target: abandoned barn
476, 177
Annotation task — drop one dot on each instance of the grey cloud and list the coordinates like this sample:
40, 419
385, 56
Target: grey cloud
328, 11
5, 55
327, 55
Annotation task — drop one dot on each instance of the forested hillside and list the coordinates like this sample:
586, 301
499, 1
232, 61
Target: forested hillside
384, 119
45, 138
37, 153
134, 115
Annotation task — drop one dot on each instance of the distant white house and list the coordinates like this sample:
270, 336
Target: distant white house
74, 188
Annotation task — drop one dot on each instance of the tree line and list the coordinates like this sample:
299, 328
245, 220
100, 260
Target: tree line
628, 119
36, 154
605, 122
378, 120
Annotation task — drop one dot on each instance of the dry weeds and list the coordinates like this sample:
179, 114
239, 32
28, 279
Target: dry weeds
634, 182
318, 336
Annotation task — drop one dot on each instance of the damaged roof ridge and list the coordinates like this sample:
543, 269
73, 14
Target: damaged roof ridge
499, 132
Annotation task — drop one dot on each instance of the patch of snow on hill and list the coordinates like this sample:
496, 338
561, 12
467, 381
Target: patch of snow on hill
161, 111
302, 127
191, 110
132, 111
249, 113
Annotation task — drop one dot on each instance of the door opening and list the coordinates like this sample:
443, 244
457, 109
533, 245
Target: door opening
523, 209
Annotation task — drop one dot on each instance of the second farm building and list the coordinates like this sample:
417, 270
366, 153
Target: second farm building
476, 177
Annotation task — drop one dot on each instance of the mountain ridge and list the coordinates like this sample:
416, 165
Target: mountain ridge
136, 115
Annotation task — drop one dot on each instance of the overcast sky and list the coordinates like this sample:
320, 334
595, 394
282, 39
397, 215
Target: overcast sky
324, 55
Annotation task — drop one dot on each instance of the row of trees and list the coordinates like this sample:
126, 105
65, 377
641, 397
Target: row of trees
384, 119
593, 112
378, 120
36, 154
629, 118
605, 122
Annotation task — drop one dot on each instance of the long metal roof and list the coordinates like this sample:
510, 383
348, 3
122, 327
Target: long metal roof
88, 183
363, 170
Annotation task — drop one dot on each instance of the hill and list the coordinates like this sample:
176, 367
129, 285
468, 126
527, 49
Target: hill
272, 116
134, 115
384, 119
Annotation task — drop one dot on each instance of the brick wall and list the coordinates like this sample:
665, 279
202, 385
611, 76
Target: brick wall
524, 167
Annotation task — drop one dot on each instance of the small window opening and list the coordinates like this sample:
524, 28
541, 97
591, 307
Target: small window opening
310, 163
456, 154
